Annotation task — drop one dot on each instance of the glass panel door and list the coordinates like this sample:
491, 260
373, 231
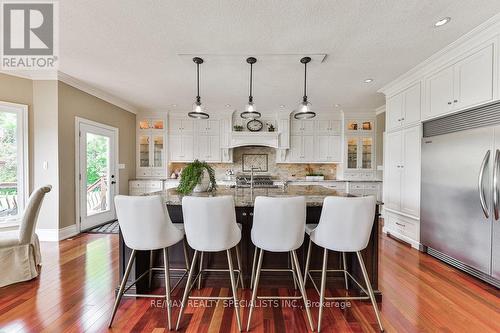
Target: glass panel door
144, 161
366, 153
97, 173
352, 153
158, 124
158, 151
144, 124
97, 156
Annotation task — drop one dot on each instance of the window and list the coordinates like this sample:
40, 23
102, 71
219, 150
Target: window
13, 160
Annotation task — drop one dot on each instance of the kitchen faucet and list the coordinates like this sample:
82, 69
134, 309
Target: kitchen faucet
251, 176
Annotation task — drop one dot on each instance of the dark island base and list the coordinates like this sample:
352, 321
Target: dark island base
271, 260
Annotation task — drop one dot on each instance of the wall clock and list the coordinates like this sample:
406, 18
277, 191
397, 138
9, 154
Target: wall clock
254, 125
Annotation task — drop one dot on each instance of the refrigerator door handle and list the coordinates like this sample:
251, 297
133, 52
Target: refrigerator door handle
495, 184
480, 184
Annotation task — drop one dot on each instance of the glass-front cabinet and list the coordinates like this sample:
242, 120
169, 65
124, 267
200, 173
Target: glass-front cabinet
151, 153
359, 150
359, 125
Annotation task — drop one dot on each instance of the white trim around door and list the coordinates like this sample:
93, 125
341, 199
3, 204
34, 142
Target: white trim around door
89, 126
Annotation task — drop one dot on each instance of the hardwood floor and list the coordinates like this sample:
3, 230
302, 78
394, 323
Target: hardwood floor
75, 293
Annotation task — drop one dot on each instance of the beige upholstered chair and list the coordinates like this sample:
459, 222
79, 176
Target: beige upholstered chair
20, 249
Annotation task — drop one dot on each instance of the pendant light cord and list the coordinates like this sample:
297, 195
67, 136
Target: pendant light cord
198, 82
305, 82
250, 98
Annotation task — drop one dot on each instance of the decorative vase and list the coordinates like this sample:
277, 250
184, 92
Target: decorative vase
204, 183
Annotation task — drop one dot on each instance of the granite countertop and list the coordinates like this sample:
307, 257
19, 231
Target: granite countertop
315, 194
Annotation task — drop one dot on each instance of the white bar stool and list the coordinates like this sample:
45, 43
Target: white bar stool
146, 226
278, 226
344, 226
210, 226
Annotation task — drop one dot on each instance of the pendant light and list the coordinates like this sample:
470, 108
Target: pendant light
250, 111
198, 109
304, 109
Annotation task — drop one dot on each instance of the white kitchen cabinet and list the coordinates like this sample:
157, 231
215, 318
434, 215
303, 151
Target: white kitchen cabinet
302, 126
404, 109
402, 171
463, 84
207, 126
151, 147
402, 227
301, 149
181, 147
208, 148
328, 148
327, 126
360, 153
181, 125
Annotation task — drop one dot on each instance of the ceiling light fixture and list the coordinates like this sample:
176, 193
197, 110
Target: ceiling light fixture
250, 111
282, 106
228, 105
337, 105
304, 109
368, 80
442, 21
198, 109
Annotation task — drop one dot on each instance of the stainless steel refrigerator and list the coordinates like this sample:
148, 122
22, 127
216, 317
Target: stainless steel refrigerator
460, 203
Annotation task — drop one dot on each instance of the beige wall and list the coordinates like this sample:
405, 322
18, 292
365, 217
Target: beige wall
75, 103
380, 138
45, 142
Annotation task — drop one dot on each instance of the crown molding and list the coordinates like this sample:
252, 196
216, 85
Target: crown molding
380, 109
76, 83
484, 32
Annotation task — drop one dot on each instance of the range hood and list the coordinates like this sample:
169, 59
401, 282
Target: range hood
244, 139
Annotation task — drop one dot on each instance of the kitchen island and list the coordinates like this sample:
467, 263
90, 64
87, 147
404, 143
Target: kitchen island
244, 200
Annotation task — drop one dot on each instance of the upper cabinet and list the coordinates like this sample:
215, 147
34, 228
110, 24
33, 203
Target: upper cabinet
404, 109
181, 139
357, 126
151, 146
466, 83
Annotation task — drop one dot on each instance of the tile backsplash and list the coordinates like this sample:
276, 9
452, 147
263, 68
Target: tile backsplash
278, 170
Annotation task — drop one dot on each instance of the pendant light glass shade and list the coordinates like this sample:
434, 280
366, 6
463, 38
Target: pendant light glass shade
198, 111
304, 109
250, 110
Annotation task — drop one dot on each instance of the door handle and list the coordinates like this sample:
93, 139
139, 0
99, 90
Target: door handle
480, 184
495, 184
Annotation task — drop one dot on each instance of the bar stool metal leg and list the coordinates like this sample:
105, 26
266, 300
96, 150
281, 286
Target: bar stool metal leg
253, 267
186, 254
345, 270
240, 274
187, 289
122, 286
255, 286
200, 272
167, 288
235, 290
303, 290
370, 290
150, 275
306, 270
323, 284
293, 273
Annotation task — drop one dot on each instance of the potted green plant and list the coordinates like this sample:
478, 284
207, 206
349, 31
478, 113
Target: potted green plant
313, 176
270, 127
238, 128
197, 177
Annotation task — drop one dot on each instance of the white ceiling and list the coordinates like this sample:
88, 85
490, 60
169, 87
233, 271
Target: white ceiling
140, 51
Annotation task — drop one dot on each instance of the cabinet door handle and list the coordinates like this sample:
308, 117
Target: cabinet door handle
456, 100
251, 214
403, 118
449, 103
400, 224
244, 214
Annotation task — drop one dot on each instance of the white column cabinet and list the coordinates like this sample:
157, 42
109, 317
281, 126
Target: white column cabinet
402, 171
151, 147
404, 109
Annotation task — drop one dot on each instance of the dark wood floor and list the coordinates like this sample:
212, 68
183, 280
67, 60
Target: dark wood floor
75, 293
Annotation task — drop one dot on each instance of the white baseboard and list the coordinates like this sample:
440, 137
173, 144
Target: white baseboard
414, 244
55, 235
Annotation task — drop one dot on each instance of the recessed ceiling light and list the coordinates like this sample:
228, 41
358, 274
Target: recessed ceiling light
228, 105
282, 106
337, 105
174, 105
368, 80
442, 22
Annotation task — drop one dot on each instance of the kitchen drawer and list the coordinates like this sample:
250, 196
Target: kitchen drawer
154, 185
403, 226
136, 184
157, 173
136, 192
335, 186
